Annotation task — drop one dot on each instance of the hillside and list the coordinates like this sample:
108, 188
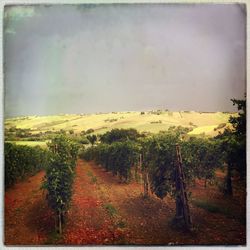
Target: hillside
152, 121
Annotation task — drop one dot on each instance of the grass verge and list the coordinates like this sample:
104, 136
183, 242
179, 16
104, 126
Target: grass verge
110, 209
215, 208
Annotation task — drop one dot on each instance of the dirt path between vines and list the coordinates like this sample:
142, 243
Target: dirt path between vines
105, 211
148, 221
27, 218
89, 220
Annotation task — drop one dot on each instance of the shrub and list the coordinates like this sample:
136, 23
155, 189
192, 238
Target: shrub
22, 161
59, 176
116, 135
117, 157
89, 131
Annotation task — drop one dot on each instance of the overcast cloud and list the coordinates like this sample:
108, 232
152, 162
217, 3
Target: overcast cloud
103, 58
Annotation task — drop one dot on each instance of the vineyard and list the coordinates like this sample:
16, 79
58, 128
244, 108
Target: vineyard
127, 187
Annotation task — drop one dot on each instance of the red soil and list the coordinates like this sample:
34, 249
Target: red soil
88, 222
28, 220
105, 211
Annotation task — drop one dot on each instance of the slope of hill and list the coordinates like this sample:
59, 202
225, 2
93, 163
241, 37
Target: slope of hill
152, 121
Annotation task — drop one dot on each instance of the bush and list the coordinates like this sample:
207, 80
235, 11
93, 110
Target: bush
89, 131
22, 161
117, 157
200, 157
158, 160
220, 126
116, 135
59, 176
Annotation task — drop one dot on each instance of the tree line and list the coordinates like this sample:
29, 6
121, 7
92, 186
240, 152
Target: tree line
58, 161
123, 150
119, 151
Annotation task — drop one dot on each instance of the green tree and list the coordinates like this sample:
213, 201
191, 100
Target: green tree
239, 122
233, 145
22, 161
92, 139
200, 157
116, 135
59, 176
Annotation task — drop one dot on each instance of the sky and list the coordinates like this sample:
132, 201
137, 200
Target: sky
102, 58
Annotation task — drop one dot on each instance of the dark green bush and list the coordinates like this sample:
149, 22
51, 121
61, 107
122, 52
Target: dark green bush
59, 176
22, 161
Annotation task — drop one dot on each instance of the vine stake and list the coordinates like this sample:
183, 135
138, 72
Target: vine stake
182, 207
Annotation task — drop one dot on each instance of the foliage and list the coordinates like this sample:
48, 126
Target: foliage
116, 135
110, 209
201, 156
158, 159
179, 131
92, 139
117, 157
59, 175
65, 148
233, 142
239, 122
59, 179
220, 126
71, 131
22, 161
89, 131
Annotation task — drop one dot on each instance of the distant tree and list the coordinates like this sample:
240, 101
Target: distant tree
239, 122
89, 131
233, 145
62, 131
12, 129
180, 131
92, 139
83, 140
119, 135
239, 125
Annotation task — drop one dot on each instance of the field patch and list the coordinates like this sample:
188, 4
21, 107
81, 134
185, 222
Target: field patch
203, 129
42, 144
102, 122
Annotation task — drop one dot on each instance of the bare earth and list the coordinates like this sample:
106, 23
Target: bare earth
105, 211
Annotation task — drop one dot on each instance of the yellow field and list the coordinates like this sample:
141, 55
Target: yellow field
200, 122
203, 129
42, 144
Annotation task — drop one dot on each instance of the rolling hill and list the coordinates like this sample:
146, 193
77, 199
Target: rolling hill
150, 121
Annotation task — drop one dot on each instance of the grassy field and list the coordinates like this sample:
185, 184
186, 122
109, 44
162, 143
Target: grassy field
42, 144
200, 122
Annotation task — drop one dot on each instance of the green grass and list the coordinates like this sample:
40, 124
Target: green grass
89, 173
92, 176
215, 208
110, 209
18, 210
53, 238
210, 207
93, 179
205, 122
42, 144
121, 224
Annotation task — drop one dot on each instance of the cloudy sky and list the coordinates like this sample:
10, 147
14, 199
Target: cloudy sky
102, 58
